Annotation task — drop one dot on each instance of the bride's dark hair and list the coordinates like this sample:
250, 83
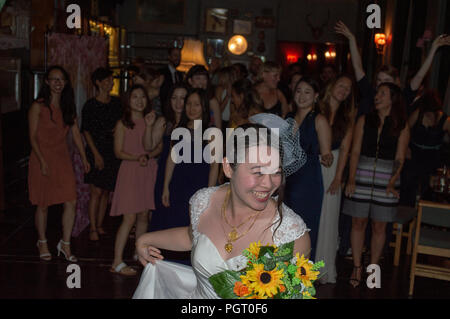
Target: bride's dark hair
265, 139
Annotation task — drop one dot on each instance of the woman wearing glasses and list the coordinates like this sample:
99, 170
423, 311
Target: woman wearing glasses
51, 179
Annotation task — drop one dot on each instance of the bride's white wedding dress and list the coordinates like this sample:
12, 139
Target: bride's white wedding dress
168, 280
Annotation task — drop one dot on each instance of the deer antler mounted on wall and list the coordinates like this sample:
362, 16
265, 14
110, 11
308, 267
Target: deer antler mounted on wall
317, 31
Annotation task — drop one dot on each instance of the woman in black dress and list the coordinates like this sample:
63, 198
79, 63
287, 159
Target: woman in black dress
429, 125
99, 117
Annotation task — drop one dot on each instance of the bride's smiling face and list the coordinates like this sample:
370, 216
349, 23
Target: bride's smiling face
255, 182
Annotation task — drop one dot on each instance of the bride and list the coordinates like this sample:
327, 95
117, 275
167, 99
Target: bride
224, 221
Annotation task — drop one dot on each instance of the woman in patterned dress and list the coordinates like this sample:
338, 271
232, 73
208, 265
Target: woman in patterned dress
380, 140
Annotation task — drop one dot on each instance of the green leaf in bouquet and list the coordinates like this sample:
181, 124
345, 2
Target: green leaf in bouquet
223, 283
318, 265
270, 264
282, 259
296, 281
311, 290
266, 250
292, 269
286, 250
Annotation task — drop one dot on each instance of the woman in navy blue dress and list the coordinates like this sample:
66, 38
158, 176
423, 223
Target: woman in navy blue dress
182, 180
304, 188
172, 113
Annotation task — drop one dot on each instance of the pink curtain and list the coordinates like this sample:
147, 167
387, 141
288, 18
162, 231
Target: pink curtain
79, 56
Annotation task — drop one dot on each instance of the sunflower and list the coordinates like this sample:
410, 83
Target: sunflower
255, 248
304, 271
263, 283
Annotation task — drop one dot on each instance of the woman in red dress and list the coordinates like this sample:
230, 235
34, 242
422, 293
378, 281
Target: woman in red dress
51, 178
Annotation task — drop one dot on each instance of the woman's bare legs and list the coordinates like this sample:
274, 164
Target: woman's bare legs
377, 241
68, 219
122, 237
40, 221
357, 241
102, 211
93, 208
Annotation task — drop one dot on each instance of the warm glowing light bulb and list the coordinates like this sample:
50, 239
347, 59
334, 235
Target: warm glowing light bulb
333, 54
309, 57
237, 45
327, 54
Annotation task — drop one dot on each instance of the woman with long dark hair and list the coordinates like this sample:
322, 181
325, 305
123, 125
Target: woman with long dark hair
380, 140
198, 78
338, 107
304, 188
175, 193
152, 80
51, 178
134, 192
248, 200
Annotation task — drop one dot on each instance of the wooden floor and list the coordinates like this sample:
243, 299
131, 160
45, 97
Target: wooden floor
23, 275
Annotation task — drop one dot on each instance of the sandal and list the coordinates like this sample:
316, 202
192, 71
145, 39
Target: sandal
43, 256
101, 231
60, 250
93, 235
124, 270
355, 282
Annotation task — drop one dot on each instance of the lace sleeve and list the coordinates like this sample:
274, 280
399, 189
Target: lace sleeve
291, 228
198, 203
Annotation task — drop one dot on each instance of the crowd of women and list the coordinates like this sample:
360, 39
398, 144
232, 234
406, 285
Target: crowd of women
383, 137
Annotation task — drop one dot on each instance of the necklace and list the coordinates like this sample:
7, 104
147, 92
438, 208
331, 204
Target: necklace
233, 235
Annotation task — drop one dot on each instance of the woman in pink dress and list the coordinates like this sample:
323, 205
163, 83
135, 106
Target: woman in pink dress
134, 191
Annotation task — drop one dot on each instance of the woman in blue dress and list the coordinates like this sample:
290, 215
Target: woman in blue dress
172, 114
304, 188
183, 179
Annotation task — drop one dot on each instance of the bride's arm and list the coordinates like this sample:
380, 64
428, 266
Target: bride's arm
302, 245
176, 239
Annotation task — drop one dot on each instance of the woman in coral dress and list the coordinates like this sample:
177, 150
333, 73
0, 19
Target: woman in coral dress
51, 178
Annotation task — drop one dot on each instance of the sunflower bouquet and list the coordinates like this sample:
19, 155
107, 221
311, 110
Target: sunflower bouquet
271, 272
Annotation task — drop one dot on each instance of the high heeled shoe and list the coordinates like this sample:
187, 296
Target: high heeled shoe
354, 281
44, 256
71, 258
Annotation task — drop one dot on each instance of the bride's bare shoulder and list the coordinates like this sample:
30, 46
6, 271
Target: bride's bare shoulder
218, 196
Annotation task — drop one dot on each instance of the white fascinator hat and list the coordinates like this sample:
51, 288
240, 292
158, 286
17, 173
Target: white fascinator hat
294, 157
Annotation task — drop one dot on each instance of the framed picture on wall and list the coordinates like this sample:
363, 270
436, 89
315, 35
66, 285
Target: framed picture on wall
216, 20
242, 27
215, 47
170, 12
10, 77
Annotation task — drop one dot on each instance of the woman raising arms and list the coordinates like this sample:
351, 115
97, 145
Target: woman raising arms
386, 73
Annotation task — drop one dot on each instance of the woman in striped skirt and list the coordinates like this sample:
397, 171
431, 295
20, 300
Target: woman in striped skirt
380, 141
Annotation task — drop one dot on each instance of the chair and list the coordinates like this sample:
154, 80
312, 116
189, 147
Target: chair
405, 215
432, 240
